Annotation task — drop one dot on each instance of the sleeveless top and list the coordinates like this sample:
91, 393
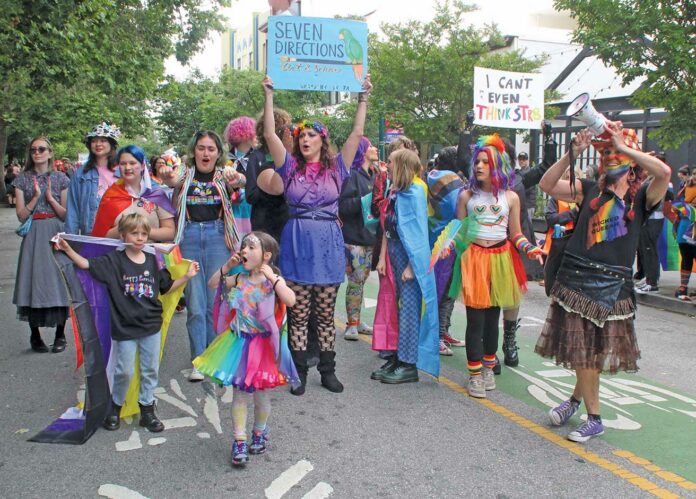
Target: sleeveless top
490, 214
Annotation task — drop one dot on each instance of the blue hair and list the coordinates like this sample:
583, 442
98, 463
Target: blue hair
134, 151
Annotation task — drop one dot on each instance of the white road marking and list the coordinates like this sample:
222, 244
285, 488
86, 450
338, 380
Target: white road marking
132, 443
370, 302
533, 319
156, 441
174, 385
288, 479
177, 403
118, 492
210, 409
203, 434
320, 491
227, 395
171, 424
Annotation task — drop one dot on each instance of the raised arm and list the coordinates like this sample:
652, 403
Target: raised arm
275, 145
533, 175
551, 182
353, 141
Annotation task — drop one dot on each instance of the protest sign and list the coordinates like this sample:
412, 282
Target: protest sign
504, 99
312, 53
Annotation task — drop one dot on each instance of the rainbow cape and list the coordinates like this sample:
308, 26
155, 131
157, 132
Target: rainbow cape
91, 325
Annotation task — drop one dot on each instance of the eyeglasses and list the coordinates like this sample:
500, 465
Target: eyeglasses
38, 150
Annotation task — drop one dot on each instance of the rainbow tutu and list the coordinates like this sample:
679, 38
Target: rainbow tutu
248, 362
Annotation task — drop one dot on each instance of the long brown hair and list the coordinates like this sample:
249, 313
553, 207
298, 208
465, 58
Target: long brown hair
405, 166
29, 164
327, 153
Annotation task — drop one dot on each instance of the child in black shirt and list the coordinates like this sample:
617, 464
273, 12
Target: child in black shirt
133, 282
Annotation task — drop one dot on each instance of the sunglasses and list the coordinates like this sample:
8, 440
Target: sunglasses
38, 150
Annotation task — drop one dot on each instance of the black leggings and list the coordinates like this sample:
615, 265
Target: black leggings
481, 332
688, 255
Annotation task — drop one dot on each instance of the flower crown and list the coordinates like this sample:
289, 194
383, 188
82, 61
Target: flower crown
317, 126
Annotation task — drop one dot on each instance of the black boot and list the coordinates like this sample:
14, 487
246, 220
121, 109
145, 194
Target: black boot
510, 343
113, 418
149, 419
391, 364
299, 357
37, 344
327, 368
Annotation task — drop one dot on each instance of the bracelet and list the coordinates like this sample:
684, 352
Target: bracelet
276, 282
222, 274
362, 97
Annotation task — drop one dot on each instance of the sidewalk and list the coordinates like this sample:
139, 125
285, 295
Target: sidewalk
664, 298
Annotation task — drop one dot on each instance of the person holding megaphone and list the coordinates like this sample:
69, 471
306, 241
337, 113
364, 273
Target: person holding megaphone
589, 327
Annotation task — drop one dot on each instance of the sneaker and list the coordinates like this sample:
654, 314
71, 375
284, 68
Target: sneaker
351, 333
258, 442
444, 349
648, 288
589, 429
681, 294
560, 415
476, 387
488, 378
240, 453
452, 342
364, 329
196, 375
180, 309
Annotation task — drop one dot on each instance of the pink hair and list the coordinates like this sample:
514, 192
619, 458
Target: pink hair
239, 130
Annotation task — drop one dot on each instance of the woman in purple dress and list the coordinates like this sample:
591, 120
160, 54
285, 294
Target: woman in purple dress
312, 256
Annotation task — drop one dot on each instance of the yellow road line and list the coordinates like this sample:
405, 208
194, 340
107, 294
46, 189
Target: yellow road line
578, 450
659, 472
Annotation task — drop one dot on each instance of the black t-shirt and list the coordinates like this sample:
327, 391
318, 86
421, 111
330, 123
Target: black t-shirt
605, 235
203, 203
134, 291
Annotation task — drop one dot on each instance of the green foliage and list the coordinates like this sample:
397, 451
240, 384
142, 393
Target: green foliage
651, 39
69, 64
423, 72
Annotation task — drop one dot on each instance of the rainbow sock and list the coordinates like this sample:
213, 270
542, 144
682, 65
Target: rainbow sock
474, 368
489, 361
684, 276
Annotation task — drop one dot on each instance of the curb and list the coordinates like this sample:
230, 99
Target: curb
667, 303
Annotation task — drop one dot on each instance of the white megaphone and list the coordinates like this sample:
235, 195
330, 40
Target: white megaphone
582, 109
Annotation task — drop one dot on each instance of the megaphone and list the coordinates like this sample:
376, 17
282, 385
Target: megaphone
582, 109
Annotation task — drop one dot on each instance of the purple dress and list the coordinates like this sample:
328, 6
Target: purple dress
311, 245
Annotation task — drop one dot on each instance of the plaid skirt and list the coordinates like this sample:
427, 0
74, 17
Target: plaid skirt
575, 342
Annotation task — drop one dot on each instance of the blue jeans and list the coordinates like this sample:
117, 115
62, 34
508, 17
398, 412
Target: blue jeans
124, 355
203, 242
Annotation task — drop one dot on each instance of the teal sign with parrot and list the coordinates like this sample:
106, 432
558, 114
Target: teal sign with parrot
314, 53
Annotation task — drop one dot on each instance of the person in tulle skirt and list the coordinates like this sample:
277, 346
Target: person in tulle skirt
252, 353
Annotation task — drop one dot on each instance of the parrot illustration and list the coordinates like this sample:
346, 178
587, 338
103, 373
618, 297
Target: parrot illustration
354, 52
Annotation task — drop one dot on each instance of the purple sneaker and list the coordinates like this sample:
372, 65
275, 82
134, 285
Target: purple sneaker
560, 415
589, 429
240, 453
258, 442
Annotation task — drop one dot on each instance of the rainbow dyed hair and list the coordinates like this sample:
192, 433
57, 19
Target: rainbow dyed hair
317, 126
240, 130
502, 172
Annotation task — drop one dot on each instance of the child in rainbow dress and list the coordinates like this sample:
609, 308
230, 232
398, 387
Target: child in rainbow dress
252, 353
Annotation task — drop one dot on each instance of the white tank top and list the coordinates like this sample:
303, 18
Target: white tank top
490, 214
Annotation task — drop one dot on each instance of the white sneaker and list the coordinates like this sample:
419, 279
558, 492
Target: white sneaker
364, 329
444, 349
351, 333
196, 375
476, 387
488, 378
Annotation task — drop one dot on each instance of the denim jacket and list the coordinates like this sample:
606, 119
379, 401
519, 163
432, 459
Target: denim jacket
82, 201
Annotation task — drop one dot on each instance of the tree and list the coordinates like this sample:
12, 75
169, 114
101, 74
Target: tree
648, 39
423, 72
200, 103
68, 64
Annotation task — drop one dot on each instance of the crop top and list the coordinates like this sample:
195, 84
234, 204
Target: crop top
490, 214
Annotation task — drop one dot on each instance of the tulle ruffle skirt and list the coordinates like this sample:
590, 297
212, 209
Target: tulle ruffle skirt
248, 362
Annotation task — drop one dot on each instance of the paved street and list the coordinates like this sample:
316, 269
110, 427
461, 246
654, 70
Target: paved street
426, 439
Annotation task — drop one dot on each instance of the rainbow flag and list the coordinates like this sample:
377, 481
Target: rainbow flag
91, 323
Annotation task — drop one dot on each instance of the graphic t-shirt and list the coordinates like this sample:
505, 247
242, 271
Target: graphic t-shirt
605, 235
134, 290
203, 202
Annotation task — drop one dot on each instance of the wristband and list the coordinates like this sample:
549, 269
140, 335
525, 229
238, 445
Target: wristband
522, 244
362, 97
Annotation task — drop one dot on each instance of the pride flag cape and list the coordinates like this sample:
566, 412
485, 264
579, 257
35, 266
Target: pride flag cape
92, 329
